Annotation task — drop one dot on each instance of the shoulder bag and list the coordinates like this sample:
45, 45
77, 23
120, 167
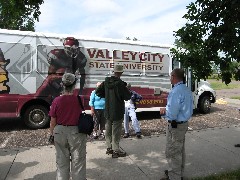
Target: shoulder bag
85, 121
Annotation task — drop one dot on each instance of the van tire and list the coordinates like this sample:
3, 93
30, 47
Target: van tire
204, 105
36, 117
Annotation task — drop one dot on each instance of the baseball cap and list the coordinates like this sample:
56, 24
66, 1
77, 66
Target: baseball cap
68, 79
118, 68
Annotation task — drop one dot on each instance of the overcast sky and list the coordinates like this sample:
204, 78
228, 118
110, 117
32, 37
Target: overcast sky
147, 20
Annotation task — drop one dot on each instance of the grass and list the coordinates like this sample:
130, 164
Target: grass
218, 85
233, 175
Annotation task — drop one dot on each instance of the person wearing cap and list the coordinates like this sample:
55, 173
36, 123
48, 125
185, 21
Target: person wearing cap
97, 105
70, 145
114, 90
130, 107
177, 113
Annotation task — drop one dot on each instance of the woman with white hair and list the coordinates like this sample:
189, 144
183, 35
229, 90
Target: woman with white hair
70, 145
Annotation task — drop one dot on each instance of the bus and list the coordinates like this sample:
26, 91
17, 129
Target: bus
32, 64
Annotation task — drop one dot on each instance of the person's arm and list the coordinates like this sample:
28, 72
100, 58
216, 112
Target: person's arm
82, 60
91, 102
126, 93
53, 123
173, 106
82, 81
92, 111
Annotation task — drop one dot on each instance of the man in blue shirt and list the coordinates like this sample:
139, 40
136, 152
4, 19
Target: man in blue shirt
178, 111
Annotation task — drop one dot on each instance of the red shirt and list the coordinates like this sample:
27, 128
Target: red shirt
66, 109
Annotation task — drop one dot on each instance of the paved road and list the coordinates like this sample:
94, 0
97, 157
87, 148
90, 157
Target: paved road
208, 152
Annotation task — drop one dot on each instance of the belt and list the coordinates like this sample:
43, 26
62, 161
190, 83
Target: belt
178, 122
66, 125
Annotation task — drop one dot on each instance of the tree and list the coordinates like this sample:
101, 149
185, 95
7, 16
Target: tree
19, 14
210, 37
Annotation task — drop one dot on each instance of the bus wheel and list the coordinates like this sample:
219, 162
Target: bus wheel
36, 117
205, 105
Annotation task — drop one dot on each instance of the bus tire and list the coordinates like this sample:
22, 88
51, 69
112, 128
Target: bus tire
205, 105
36, 117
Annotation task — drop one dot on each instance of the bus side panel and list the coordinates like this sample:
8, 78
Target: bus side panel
8, 106
33, 65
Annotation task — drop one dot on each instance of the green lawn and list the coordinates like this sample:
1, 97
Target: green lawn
218, 85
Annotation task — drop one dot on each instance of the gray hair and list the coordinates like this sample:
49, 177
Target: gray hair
68, 82
69, 89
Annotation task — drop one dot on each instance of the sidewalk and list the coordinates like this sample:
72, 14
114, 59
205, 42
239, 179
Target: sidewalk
208, 152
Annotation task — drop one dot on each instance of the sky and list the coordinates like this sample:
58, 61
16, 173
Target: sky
147, 20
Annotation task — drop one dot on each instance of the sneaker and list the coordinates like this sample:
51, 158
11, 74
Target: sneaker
109, 151
126, 135
138, 135
119, 153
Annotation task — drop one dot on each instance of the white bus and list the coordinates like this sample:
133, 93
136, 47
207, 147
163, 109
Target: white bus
32, 63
